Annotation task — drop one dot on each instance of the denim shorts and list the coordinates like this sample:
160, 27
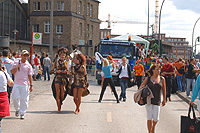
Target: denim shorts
57, 82
80, 86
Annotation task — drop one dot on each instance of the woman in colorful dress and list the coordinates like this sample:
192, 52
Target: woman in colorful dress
78, 79
60, 82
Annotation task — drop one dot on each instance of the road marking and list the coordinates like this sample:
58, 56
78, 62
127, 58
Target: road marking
109, 117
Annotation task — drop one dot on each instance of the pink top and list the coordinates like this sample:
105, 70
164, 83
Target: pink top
21, 76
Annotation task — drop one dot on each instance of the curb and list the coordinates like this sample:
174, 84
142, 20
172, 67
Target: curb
186, 100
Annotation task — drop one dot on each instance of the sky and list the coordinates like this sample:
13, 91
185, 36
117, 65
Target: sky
178, 17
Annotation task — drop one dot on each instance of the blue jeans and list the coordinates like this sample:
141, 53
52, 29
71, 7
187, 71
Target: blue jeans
123, 84
189, 83
179, 81
0, 124
46, 70
184, 85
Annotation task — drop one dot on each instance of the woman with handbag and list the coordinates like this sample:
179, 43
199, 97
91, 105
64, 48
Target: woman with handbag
156, 83
79, 79
60, 82
5, 80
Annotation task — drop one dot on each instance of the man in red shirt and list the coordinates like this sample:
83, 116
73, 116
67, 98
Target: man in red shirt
36, 66
167, 71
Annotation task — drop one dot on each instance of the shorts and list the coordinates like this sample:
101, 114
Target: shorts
78, 86
36, 70
153, 112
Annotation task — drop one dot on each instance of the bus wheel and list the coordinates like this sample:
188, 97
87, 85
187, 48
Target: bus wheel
99, 82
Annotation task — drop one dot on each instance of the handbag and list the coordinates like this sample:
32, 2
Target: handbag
189, 125
145, 92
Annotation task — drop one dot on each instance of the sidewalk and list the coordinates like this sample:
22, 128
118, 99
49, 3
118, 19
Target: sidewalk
184, 97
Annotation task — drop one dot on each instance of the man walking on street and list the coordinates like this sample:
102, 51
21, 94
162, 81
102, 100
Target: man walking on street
47, 63
36, 66
8, 64
139, 72
179, 73
167, 71
124, 76
23, 83
41, 61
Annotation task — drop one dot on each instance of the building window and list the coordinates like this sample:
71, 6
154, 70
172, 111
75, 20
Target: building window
49, 6
47, 27
87, 29
62, 6
88, 9
35, 28
58, 6
34, 6
38, 6
91, 9
80, 7
59, 28
91, 31
46, 6
80, 29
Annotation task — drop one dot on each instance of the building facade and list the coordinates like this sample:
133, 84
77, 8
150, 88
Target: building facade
75, 22
174, 46
104, 33
13, 19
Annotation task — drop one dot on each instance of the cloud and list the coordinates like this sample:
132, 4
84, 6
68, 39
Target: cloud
192, 5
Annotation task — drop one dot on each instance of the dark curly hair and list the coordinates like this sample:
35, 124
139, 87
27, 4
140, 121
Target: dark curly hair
81, 58
62, 50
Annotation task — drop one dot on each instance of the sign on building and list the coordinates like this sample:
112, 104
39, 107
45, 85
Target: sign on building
37, 38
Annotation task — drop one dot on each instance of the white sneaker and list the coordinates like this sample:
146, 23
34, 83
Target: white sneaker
189, 97
22, 117
16, 113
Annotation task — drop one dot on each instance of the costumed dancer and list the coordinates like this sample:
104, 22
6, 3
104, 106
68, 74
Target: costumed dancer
60, 82
108, 78
78, 79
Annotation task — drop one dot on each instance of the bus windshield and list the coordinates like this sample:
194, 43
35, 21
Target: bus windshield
117, 51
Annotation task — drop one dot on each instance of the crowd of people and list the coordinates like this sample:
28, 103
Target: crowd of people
160, 74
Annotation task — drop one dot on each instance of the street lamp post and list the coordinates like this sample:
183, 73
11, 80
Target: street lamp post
15, 33
193, 36
148, 23
51, 31
159, 27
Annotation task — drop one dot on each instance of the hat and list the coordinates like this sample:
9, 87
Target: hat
138, 61
25, 52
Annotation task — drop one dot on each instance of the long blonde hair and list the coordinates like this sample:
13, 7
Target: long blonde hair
105, 62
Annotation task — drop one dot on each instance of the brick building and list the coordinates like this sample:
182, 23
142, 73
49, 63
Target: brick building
13, 17
75, 22
173, 46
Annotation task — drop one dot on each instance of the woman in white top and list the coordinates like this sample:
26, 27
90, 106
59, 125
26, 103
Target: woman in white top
5, 80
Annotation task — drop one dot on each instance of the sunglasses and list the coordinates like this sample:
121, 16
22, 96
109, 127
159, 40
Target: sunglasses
26, 55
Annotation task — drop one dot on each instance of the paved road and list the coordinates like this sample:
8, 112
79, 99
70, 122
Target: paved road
105, 117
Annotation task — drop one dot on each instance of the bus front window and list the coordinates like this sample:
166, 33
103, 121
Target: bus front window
116, 51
